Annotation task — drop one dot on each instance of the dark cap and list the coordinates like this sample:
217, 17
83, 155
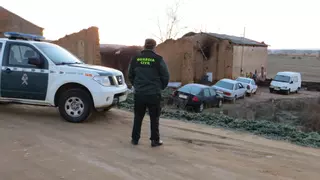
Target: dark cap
150, 44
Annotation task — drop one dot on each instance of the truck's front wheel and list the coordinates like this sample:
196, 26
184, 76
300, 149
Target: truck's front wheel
75, 105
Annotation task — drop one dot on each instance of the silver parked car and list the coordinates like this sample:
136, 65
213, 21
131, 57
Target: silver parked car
230, 89
249, 84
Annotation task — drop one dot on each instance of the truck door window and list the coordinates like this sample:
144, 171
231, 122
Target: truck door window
19, 54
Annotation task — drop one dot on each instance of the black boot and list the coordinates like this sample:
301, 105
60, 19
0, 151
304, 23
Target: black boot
134, 142
155, 143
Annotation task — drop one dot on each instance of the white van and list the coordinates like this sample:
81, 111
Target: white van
286, 82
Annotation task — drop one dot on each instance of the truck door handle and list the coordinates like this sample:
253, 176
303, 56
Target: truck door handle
8, 70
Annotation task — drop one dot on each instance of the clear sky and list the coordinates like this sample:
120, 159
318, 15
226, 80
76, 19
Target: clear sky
280, 23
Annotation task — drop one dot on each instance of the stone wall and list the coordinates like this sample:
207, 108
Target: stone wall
12, 22
85, 44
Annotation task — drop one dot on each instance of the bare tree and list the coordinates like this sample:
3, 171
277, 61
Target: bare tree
172, 28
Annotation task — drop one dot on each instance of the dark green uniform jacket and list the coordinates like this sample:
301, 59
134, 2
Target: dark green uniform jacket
148, 73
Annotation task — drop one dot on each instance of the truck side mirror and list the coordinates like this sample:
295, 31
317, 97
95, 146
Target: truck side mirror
35, 61
291, 82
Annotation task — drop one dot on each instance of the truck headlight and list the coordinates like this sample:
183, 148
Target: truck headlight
103, 80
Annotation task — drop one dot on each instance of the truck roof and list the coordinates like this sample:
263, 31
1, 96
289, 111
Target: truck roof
18, 40
24, 41
21, 37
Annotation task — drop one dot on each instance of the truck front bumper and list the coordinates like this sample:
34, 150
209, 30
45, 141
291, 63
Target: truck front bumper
109, 96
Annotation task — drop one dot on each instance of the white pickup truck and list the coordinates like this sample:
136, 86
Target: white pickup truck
40, 73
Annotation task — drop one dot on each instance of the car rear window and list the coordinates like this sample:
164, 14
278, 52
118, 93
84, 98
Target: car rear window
225, 85
191, 89
244, 80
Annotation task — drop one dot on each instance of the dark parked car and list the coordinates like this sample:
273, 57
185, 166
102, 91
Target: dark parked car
197, 96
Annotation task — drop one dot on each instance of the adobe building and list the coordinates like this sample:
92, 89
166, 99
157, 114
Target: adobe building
84, 44
118, 56
216, 55
12, 22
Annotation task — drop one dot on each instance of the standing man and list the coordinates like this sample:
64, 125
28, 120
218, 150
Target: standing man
149, 75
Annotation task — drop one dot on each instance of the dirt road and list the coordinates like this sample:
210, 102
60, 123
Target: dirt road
36, 144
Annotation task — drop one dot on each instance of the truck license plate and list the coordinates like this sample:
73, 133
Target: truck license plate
183, 96
276, 88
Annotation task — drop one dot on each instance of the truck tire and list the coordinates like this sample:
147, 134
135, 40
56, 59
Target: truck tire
75, 105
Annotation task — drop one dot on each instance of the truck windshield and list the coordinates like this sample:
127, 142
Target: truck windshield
57, 54
281, 78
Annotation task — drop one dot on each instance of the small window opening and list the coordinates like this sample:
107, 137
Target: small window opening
205, 48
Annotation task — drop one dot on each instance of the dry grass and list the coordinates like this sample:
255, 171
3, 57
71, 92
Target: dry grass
310, 117
302, 112
308, 66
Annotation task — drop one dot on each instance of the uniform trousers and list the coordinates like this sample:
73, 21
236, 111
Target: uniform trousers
141, 103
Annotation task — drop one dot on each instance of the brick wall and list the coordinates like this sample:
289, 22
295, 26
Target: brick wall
12, 22
85, 44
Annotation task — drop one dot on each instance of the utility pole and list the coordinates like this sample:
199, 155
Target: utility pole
244, 34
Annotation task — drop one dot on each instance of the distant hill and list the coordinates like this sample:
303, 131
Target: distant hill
300, 52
